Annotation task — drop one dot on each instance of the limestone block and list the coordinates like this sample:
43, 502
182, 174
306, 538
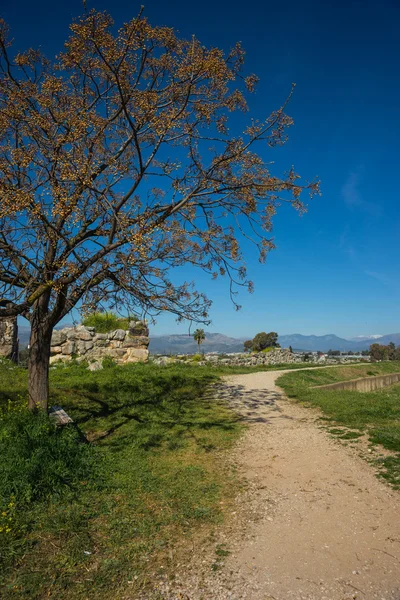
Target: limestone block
114, 344
136, 355
118, 334
69, 348
55, 350
100, 336
70, 333
59, 357
83, 347
6, 350
136, 342
83, 333
58, 337
115, 352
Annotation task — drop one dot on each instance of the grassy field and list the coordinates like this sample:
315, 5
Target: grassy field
94, 522
354, 413
91, 521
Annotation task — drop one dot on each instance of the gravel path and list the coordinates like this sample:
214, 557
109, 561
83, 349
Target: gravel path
315, 522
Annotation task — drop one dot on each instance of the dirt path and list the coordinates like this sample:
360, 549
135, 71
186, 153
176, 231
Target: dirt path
316, 523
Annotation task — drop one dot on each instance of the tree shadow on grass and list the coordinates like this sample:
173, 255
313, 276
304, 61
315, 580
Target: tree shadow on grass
146, 412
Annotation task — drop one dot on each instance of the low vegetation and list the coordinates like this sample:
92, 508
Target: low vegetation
107, 321
376, 414
78, 519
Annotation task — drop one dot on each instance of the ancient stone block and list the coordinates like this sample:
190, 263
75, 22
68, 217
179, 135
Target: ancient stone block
69, 348
136, 342
83, 346
136, 355
59, 357
9, 338
118, 334
58, 337
83, 333
55, 350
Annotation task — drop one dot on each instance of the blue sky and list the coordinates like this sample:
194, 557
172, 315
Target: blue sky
335, 269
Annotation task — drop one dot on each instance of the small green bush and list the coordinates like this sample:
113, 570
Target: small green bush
107, 321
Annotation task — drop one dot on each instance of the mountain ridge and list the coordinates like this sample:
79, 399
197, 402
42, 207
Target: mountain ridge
218, 342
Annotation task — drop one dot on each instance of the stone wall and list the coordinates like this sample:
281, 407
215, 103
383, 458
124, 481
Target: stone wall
274, 357
363, 384
9, 338
83, 343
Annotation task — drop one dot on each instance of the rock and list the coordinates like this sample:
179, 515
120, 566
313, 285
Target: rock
58, 338
115, 353
136, 355
82, 347
118, 334
136, 342
96, 366
70, 332
137, 328
60, 358
83, 333
69, 348
55, 350
162, 361
100, 336
100, 343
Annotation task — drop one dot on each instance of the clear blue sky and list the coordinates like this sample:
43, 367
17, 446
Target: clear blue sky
335, 270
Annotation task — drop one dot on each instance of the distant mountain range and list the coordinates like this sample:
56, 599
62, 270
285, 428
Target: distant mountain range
218, 342
185, 344
333, 342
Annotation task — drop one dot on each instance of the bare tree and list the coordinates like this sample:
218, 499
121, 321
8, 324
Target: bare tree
117, 165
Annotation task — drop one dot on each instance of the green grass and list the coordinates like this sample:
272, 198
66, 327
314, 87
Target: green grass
156, 478
375, 413
107, 321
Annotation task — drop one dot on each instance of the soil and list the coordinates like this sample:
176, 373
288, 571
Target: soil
314, 523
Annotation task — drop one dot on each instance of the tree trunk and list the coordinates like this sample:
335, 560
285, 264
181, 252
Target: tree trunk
38, 365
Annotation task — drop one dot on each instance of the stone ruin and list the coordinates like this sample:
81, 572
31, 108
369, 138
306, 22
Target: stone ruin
84, 343
9, 338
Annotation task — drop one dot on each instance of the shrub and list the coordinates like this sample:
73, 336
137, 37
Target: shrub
107, 321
